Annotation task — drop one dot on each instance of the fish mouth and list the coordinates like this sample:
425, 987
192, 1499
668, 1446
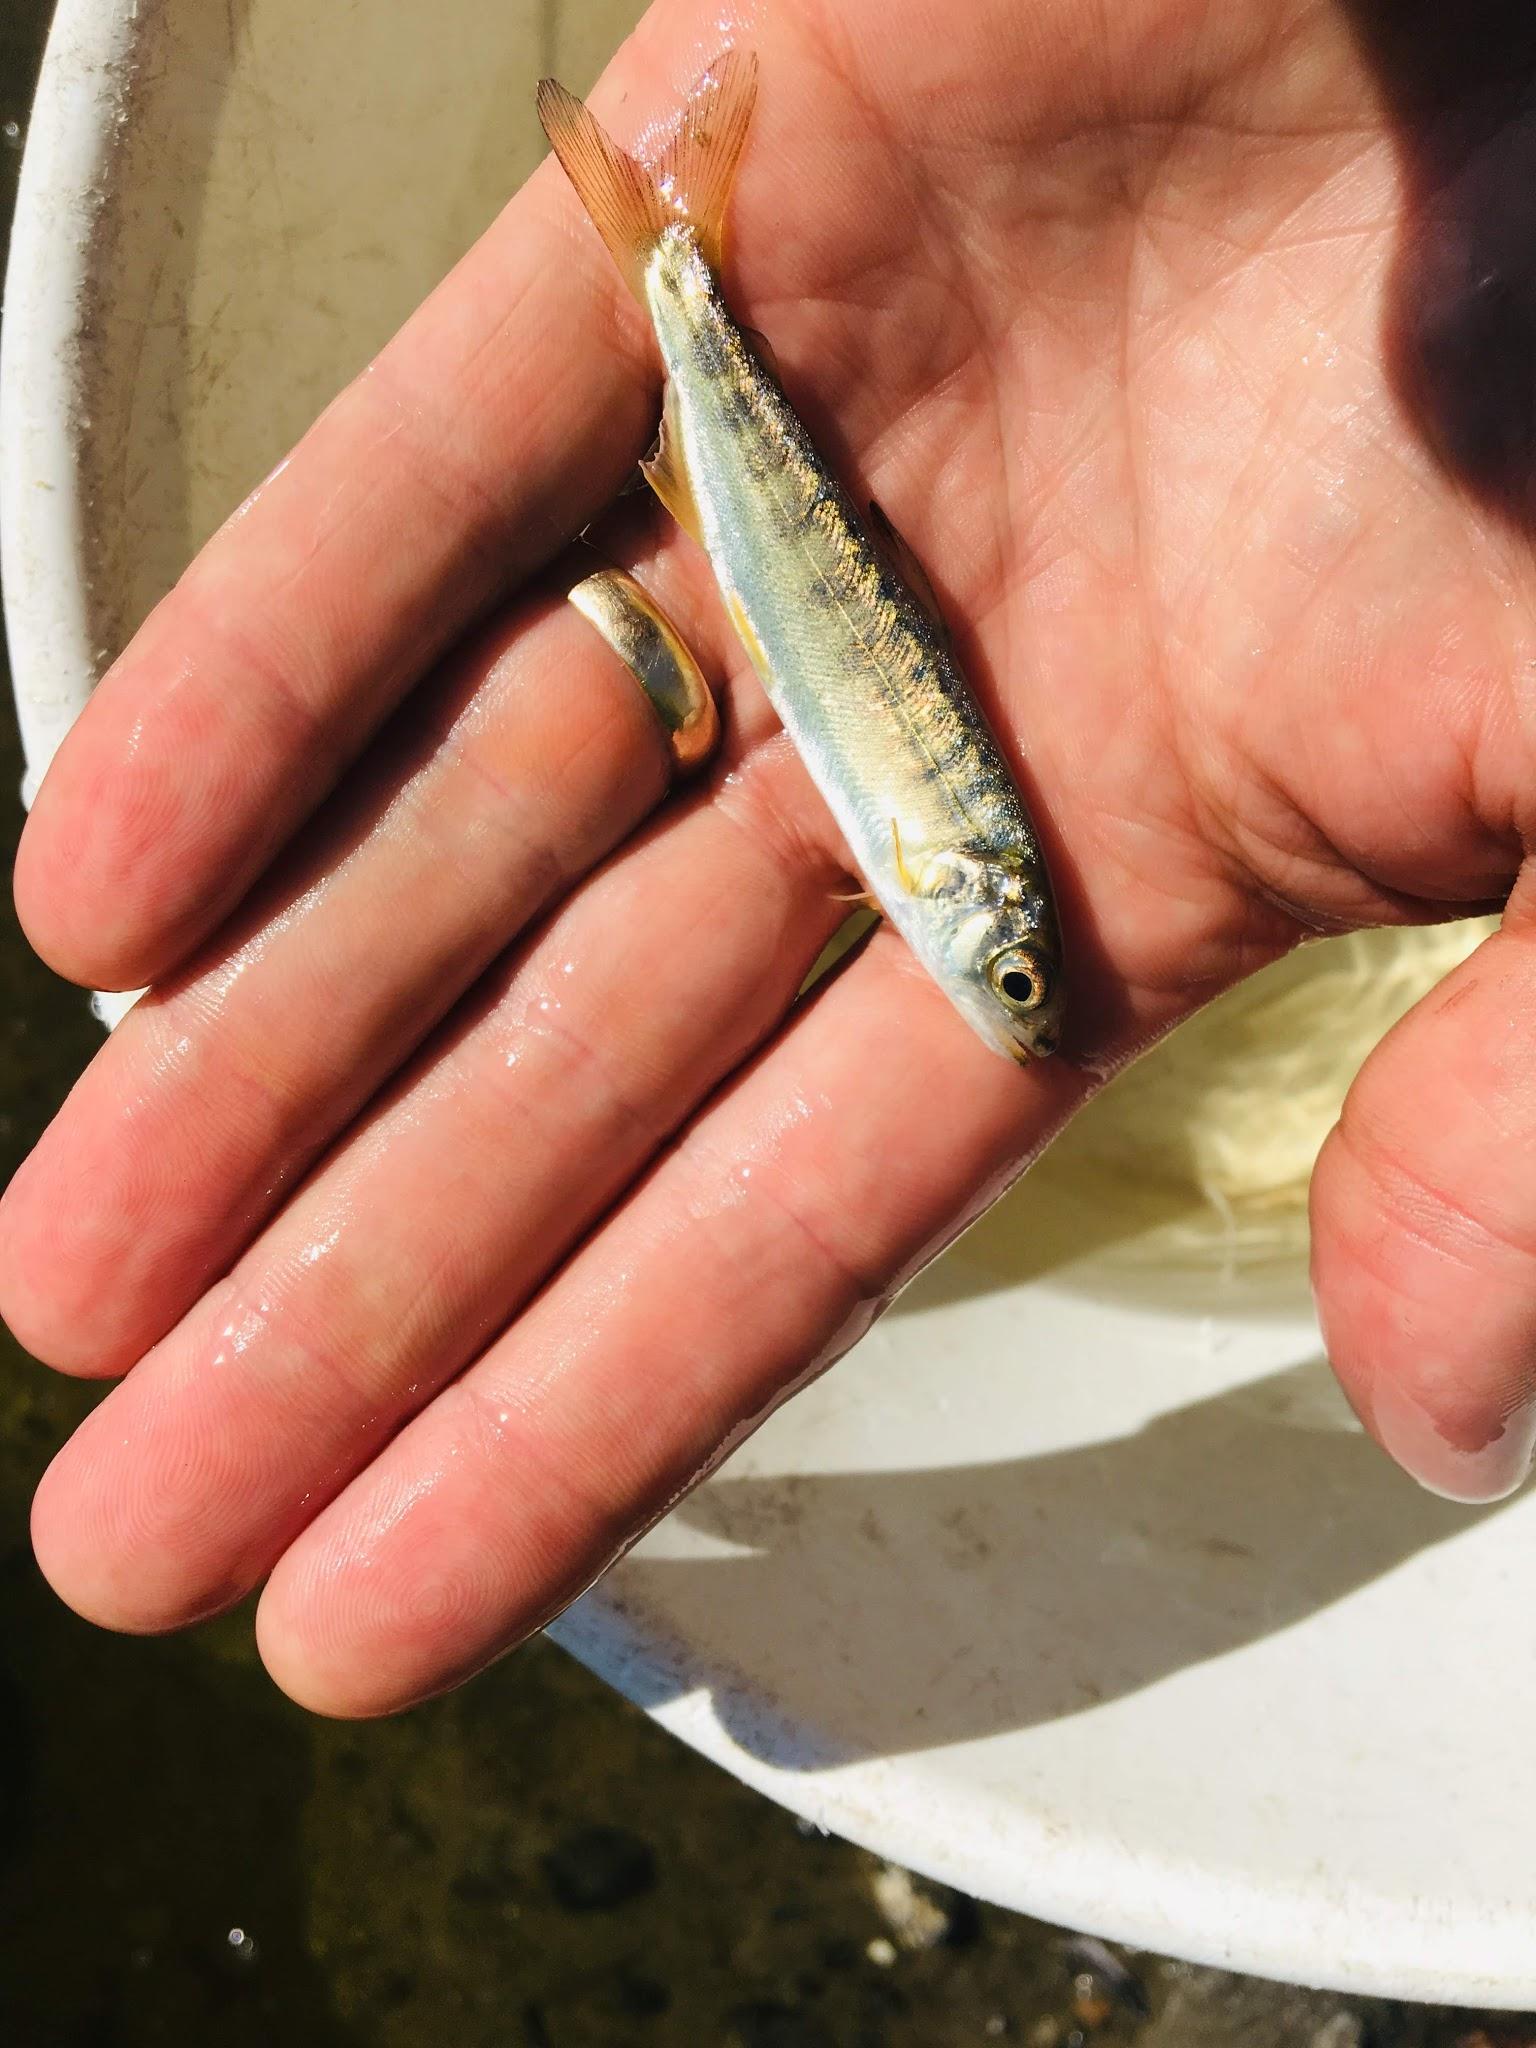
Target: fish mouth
1030, 1052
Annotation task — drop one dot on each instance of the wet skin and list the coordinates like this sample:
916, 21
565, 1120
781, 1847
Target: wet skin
1165, 333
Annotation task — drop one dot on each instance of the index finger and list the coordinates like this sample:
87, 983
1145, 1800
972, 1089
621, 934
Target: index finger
460, 459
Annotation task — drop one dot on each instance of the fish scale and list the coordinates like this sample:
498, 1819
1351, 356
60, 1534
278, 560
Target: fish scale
795, 553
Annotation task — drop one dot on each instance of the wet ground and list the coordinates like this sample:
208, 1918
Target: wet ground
187, 1859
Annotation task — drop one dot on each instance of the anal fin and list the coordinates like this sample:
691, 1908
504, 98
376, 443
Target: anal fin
746, 633
666, 471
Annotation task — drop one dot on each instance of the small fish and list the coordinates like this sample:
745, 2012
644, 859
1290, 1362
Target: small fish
1101, 1981
854, 659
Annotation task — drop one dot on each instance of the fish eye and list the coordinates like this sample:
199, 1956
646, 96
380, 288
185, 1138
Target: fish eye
1021, 978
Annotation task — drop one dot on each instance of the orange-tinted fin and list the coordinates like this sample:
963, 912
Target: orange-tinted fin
746, 633
666, 471
696, 168
689, 180
907, 567
904, 874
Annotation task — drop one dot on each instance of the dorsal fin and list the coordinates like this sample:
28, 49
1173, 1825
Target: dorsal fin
907, 567
764, 350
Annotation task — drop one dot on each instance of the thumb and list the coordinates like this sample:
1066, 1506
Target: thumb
1424, 1230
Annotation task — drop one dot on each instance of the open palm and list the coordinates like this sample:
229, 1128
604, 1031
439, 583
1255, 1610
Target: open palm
471, 1176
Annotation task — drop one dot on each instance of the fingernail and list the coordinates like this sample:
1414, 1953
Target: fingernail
1474, 1464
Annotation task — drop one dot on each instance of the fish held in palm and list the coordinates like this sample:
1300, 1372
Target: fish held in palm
834, 616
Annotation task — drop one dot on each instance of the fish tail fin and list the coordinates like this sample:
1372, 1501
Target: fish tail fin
617, 190
697, 168
631, 202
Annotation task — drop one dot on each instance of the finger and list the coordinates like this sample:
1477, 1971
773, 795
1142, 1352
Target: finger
760, 1249
479, 440
419, 1237
1424, 1230
532, 759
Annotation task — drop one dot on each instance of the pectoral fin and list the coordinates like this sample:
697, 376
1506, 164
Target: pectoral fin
935, 871
903, 873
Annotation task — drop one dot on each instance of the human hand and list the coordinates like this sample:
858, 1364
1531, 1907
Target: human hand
1158, 332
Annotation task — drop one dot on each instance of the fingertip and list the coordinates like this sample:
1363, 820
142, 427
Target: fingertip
78, 882
293, 1675
1431, 1418
407, 1584
1424, 1235
52, 1321
52, 1341
295, 1660
84, 1569
64, 1242
324, 1644
43, 899
1491, 1462
133, 1521
321, 1685
147, 827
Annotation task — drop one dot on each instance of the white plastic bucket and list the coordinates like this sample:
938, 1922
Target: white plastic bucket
1092, 1602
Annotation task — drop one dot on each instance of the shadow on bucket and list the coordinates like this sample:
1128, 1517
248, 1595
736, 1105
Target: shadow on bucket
948, 1605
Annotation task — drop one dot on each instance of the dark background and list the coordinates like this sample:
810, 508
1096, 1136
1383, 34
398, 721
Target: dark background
187, 1858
